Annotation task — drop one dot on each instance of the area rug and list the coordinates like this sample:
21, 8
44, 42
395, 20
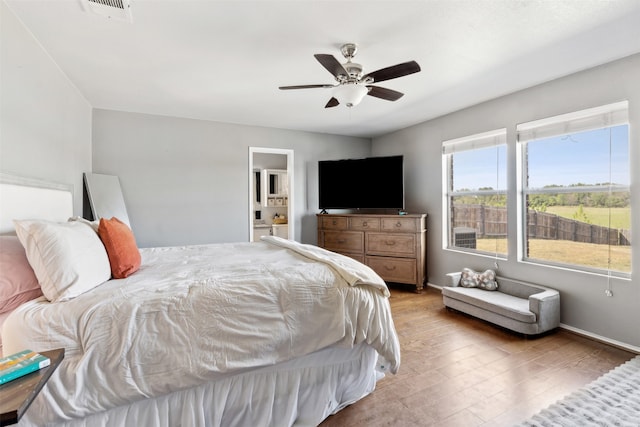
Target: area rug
611, 400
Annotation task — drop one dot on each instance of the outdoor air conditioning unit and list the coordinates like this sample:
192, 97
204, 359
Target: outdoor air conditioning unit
464, 237
117, 10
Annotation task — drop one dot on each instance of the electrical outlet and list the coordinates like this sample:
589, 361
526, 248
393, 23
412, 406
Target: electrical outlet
608, 292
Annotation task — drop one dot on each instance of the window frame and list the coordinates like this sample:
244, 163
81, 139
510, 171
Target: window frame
492, 138
602, 117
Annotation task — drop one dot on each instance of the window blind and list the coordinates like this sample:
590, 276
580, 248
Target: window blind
579, 121
474, 142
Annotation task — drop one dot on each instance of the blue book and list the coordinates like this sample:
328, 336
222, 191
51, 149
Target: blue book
21, 364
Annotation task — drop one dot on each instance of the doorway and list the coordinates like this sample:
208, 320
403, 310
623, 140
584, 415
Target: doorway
271, 193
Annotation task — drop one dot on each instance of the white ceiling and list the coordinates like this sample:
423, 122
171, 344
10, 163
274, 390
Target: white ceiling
224, 60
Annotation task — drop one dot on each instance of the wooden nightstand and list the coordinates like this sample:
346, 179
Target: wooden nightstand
17, 395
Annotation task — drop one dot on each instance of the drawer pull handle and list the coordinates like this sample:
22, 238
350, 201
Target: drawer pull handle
390, 242
364, 224
390, 268
398, 224
341, 241
335, 222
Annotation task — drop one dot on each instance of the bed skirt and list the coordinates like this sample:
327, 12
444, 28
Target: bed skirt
299, 392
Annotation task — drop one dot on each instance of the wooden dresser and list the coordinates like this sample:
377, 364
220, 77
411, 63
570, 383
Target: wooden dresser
394, 246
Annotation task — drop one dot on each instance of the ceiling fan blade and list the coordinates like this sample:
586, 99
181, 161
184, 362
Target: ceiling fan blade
331, 64
394, 71
305, 87
332, 103
384, 93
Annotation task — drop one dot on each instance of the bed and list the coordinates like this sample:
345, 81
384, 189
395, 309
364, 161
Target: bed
266, 333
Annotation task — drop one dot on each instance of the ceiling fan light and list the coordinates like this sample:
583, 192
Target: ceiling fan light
350, 94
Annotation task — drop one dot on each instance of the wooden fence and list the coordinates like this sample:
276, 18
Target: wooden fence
491, 221
488, 221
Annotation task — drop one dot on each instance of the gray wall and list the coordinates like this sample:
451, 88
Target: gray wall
584, 304
45, 122
186, 181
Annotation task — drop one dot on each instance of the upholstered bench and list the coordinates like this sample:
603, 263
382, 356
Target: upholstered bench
522, 307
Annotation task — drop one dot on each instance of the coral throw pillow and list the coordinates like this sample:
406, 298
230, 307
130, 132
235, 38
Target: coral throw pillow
120, 243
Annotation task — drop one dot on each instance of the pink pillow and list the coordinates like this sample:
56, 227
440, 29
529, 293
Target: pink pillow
18, 282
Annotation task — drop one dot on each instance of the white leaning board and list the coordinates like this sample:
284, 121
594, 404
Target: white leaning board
105, 197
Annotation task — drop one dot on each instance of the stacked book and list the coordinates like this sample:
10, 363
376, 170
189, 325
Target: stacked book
21, 364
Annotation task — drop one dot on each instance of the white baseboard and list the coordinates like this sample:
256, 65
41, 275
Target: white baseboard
600, 338
595, 337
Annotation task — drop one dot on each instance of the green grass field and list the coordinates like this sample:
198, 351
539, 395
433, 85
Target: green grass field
620, 217
567, 252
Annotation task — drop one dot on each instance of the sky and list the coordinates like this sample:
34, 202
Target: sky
481, 168
577, 158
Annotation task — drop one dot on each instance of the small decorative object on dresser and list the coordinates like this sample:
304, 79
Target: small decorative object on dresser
393, 246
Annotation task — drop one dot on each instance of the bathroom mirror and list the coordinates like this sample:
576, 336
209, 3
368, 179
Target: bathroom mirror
276, 187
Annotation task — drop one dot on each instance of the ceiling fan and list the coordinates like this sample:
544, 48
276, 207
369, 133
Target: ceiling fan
351, 84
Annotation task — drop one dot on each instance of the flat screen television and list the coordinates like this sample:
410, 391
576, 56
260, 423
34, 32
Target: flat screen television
370, 183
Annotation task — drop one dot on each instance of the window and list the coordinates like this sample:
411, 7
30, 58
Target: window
575, 192
475, 196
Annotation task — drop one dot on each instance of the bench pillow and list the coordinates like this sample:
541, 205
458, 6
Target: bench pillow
485, 280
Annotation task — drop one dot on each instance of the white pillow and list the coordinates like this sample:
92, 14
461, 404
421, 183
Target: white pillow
68, 258
93, 224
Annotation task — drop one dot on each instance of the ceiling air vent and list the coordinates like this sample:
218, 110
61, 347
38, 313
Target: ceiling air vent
118, 10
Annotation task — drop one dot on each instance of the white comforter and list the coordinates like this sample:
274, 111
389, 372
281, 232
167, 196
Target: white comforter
198, 313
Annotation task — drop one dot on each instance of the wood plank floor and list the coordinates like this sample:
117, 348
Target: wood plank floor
460, 371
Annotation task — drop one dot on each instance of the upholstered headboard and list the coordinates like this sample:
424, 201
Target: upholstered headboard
27, 198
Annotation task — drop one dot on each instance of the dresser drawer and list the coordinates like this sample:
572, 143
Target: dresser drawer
357, 257
344, 241
400, 224
364, 223
393, 244
400, 270
335, 223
